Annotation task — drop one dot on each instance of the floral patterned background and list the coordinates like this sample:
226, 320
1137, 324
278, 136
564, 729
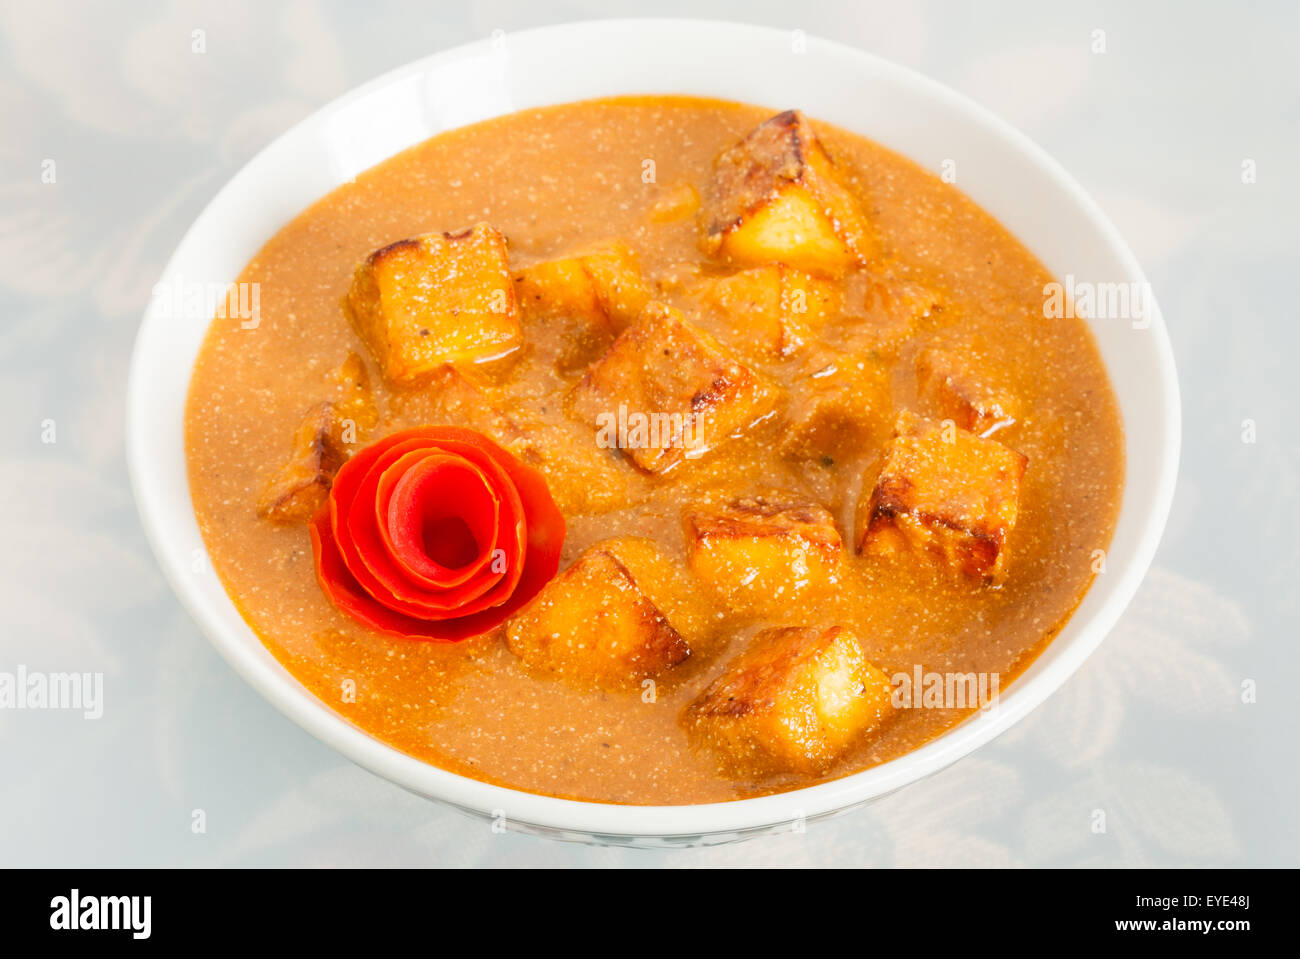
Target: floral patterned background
1153, 731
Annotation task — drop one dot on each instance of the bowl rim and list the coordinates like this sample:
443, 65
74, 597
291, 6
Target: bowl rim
586, 819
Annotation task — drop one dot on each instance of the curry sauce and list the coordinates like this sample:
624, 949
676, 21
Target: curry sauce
934, 322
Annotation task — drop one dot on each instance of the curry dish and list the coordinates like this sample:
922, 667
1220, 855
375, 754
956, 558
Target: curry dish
646, 450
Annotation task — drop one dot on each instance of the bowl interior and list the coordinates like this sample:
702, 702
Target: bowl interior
997, 167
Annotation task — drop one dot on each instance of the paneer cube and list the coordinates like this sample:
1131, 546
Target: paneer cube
594, 625
435, 299
958, 393
562, 315
774, 310
945, 492
764, 554
776, 197
667, 391
301, 486
560, 287
601, 284
585, 299
616, 274
793, 702
841, 410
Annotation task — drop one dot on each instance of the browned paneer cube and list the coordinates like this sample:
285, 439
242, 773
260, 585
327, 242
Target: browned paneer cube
773, 309
840, 410
667, 391
582, 300
616, 274
435, 299
559, 288
793, 701
596, 625
946, 492
956, 392
776, 197
764, 554
601, 284
301, 486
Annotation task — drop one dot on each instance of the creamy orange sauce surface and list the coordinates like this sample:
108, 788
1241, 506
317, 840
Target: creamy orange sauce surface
553, 180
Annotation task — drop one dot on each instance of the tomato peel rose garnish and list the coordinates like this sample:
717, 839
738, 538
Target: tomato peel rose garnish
435, 533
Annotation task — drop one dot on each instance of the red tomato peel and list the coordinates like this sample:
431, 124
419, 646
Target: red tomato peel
436, 533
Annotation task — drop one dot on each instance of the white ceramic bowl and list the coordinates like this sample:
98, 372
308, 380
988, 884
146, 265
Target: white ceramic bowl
999, 168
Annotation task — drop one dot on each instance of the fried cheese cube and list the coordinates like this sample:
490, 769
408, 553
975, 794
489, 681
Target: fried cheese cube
793, 701
762, 554
560, 287
775, 309
600, 284
962, 395
945, 492
620, 288
776, 197
667, 391
300, 487
435, 299
581, 301
562, 313
595, 624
